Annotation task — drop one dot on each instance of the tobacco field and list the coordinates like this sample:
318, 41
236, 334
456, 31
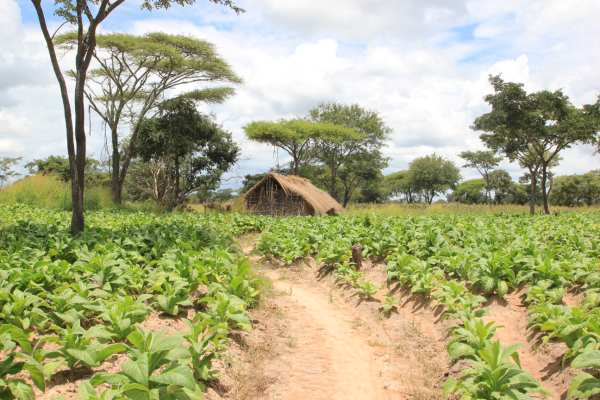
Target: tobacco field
75, 308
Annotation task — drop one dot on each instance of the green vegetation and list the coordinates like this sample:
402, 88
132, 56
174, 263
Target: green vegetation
458, 262
74, 303
49, 191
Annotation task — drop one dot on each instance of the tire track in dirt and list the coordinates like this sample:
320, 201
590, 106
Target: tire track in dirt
316, 340
328, 359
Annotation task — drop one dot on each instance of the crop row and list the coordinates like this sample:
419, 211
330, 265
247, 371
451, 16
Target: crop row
455, 260
74, 304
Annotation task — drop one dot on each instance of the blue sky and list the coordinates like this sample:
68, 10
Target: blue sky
422, 65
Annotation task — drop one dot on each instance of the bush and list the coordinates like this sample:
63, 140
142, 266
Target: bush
49, 191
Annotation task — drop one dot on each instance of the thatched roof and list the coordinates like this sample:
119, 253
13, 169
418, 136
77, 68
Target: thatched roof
319, 200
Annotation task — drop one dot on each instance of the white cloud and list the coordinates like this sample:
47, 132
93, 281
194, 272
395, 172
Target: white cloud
422, 65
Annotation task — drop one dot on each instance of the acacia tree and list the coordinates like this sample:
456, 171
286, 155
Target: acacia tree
533, 129
433, 175
347, 152
295, 137
86, 16
6, 168
484, 162
132, 75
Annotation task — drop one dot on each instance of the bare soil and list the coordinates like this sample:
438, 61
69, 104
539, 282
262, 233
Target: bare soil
313, 340
543, 361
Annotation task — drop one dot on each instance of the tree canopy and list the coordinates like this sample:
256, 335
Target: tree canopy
184, 151
484, 162
132, 74
297, 137
533, 128
344, 155
433, 175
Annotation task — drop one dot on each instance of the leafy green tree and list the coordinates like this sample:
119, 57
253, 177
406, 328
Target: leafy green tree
533, 128
361, 175
576, 190
472, 191
340, 151
296, 137
501, 184
251, 180
86, 16
131, 76
185, 151
433, 175
7, 168
400, 184
484, 162
58, 165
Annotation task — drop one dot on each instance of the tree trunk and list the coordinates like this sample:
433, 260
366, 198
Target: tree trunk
116, 185
544, 192
78, 223
532, 192
78, 178
177, 188
347, 195
129, 152
333, 183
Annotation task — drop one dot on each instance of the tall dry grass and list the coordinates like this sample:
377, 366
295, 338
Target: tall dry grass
48, 191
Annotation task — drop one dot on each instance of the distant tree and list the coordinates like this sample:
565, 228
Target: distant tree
342, 154
361, 176
433, 175
299, 137
131, 76
185, 152
56, 165
59, 166
86, 16
533, 129
484, 162
472, 191
7, 168
295, 137
576, 190
251, 180
501, 184
400, 184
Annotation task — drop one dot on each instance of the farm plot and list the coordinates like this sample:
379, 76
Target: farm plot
139, 306
496, 280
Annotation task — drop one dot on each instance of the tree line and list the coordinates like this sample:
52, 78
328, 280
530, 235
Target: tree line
146, 90
339, 147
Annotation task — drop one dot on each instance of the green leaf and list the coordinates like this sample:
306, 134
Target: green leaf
178, 376
587, 359
21, 390
137, 370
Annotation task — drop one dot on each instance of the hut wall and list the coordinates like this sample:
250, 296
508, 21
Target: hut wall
270, 199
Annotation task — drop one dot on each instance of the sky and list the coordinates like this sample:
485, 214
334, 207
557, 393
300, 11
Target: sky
423, 65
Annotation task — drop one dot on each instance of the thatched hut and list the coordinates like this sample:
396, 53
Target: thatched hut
289, 195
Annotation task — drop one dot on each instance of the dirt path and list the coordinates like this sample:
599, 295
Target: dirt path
544, 361
328, 358
312, 340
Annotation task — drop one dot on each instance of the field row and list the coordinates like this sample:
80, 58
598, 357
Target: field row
79, 308
461, 263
